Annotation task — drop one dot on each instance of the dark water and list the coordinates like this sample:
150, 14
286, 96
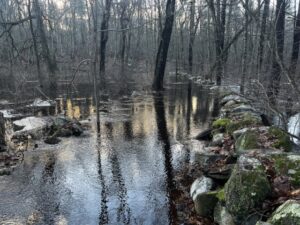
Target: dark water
123, 177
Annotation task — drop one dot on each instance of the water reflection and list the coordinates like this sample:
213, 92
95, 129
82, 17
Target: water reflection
103, 216
123, 176
163, 136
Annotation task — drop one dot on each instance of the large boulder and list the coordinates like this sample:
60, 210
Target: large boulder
246, 188
286, 214
204, 199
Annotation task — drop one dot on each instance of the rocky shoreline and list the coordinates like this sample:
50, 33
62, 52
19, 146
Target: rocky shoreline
250, 175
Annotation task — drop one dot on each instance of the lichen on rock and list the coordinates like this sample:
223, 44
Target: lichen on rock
286, 214
247, 188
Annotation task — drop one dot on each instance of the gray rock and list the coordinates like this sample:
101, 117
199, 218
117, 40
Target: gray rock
222, 216
286, 214
242, 108
201, 185
218, 139
204, 199
230, 103
262, 223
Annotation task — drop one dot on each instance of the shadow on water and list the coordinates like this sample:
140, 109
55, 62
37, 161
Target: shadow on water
163, 136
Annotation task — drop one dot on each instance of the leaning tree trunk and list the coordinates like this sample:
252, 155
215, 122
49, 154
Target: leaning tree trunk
274, 84
103, 41
162, 53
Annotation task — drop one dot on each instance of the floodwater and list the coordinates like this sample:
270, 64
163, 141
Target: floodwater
122, 177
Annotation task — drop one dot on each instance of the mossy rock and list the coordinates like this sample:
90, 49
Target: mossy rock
286, 214
246, 188
247, 141
221, 123
288, 165
221, 195
246, 120
282, 139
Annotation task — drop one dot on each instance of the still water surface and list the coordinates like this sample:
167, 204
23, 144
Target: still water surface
124, 176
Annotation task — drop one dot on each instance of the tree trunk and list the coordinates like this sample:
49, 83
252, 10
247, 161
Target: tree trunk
40, 76
2, 130
51, 62
245, 55
263, 33
162, 53
274, 84
219, 18
296, 43
103, 41
192, 35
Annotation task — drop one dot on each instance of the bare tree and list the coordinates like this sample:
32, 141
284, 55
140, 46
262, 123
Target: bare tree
162, 53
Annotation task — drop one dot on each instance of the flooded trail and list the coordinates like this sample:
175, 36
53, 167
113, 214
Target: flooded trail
123, 176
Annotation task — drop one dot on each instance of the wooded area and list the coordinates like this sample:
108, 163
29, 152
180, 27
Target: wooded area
255, 44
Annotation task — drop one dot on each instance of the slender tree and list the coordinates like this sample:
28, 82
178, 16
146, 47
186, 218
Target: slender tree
274, 83
162, 53
103, 41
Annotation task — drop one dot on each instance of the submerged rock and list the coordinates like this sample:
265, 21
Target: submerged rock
246, 188
286, 214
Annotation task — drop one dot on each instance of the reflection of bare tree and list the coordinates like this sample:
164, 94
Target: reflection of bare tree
202, 111
47, 200
128, 132
123, 210
188, 111
103, 217
163, 136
